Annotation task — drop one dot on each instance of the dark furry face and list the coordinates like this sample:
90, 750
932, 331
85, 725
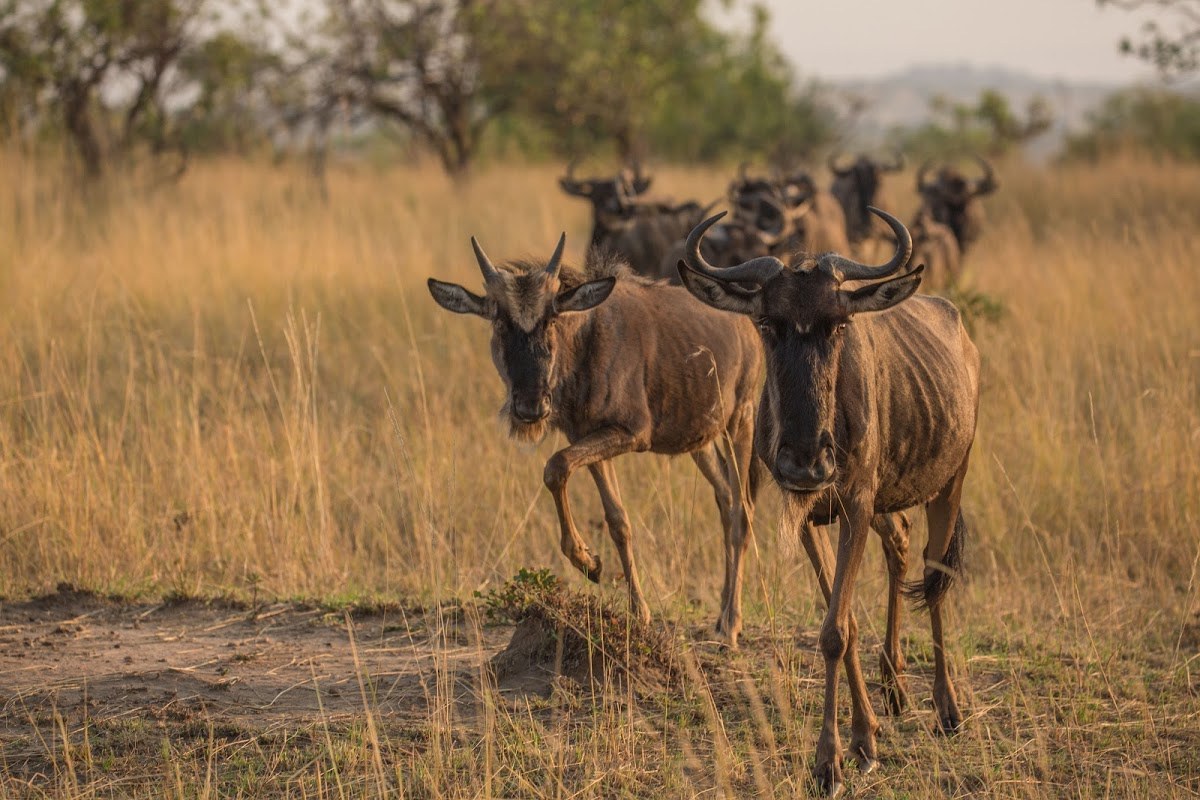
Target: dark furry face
802, 320
524, 354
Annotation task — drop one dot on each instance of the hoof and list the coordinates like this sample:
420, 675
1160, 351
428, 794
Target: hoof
829, 779
593, 574
950, 723
865, 756
895, 699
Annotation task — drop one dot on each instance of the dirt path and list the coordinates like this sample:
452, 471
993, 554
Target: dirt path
74, 653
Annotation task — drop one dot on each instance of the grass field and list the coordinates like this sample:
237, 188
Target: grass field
230, 388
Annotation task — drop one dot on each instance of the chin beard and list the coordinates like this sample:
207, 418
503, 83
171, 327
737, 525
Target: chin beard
524, 432
796, 510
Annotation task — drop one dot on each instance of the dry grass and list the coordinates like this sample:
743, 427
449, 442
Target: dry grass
227, 386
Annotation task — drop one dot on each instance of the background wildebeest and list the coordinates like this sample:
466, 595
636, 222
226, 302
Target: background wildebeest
620, 364
861, 414
639, 231
856, 185
935, 247
775, 215
793, 213
953, 199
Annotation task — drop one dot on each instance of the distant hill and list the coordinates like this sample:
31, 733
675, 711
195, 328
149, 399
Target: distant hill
901, 99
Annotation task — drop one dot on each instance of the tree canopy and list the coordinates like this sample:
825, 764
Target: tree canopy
455, 78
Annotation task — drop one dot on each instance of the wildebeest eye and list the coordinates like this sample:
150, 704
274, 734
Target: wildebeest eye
767, 328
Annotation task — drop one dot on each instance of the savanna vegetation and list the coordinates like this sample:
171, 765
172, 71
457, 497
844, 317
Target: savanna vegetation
231, 387
243, 456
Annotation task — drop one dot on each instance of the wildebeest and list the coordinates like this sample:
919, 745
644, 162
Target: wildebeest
613, 194
791, 211
621, 364
934, 246
953, 199
639, 231
771, 216
856, 185
862, 413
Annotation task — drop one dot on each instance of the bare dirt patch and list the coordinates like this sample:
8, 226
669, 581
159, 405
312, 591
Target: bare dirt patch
74, 654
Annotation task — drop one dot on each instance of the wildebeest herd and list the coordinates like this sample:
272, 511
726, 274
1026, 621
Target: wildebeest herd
757, 342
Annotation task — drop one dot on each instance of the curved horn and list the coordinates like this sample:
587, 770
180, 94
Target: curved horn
742, 167
491, 275
556, 260
988, 182
832, 163
922, 184
756, 270
845, 269
571, 185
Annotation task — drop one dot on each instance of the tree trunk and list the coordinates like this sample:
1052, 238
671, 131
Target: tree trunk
77, 118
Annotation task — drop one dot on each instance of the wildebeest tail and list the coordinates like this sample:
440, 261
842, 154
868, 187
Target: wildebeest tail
933, 587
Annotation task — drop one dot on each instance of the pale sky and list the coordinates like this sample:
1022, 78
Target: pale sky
1070, 39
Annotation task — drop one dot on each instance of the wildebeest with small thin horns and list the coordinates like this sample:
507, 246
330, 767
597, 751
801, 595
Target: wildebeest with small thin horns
856, 185
620, 364
639, 231
862, 413
953, 199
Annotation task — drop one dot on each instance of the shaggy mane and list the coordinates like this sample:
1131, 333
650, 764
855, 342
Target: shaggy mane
599, 263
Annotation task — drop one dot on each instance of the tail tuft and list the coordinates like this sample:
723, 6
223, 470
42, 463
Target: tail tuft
929, 591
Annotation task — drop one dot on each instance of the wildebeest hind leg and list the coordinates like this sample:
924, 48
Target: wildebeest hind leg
893, 531
619, 529
739, 532
713, 468
942, 560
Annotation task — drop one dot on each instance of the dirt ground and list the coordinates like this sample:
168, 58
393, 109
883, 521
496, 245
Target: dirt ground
73, 653
109, 698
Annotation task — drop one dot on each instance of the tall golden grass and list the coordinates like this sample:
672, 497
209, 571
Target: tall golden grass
230, 382
229, 385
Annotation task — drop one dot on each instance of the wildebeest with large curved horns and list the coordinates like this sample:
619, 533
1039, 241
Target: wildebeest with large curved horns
856, 185
639, 231
953, 199
620, 364
862, 413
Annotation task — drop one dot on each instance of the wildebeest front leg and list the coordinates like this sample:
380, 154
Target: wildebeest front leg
893, 531
595, 447
838, 641
816, 545
619, 529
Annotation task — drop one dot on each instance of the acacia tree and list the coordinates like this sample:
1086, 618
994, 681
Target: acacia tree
66, 59
1172, 45
417, 63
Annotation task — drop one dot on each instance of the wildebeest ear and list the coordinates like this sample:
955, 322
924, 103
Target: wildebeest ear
453, 297
880, 296
584, 296
725, 296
